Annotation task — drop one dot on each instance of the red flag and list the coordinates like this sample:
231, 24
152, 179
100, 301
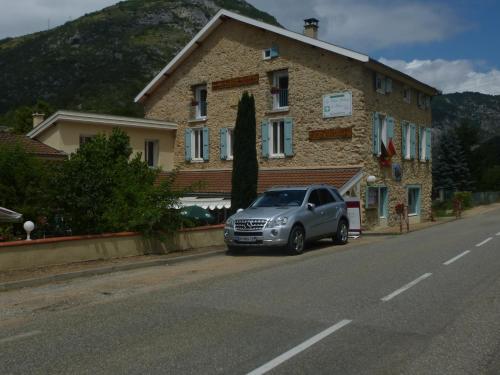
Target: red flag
391, 150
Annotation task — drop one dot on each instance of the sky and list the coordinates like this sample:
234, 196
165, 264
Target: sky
449, 44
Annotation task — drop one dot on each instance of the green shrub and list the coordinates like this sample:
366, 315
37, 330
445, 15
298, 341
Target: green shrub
465, 197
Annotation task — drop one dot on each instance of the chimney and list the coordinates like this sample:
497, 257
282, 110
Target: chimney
38, 118
311, 28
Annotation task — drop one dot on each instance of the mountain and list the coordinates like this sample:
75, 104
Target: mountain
479, 110
101, 61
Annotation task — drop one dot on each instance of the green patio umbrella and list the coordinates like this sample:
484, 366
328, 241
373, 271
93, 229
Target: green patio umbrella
8, 216
197, 213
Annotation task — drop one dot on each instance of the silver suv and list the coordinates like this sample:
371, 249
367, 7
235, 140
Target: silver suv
289, 217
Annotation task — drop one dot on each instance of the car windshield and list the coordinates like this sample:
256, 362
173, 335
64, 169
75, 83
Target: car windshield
280, 198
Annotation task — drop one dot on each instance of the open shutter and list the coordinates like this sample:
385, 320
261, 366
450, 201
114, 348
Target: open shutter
375, 133
223, 143
421, 145
288, 136
187, 144
404, 149
264, 128
427, 144
206, 148
390, 128
388, 85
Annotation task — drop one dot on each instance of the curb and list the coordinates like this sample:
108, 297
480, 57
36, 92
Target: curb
436, 223
11, 285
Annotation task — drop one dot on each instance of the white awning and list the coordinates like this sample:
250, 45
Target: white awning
206, 203
8, 216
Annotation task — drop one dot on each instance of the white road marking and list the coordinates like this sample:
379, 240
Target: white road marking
483, 242
299, 348
406, 287
20, 336
498, 234
456, 258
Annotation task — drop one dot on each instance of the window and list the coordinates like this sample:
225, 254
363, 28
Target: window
406, 140
151, 152
270, 53
325, 196
413, 200
277, 138
280, 89
314, 198
407, 94
376, 197
382, 133
421, 100
383, 84
85, 138
424, 143
197, 142
200, 95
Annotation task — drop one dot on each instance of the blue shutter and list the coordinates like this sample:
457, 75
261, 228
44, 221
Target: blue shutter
375, 131
264, 127
390, 128
404, 127
223, 143
274, 51
288, 136
419, 191
420, 146
206, 148
413, 141
187, 144
427, 144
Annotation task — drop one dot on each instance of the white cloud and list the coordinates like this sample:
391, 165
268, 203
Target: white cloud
21, 17
450, 76
369, 25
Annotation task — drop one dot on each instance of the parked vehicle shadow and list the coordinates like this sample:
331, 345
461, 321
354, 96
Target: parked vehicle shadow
278, 251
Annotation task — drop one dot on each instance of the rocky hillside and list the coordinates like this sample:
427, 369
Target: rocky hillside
102, 60
482, 111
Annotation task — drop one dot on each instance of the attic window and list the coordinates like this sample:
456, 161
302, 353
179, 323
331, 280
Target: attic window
270, 53
407, 94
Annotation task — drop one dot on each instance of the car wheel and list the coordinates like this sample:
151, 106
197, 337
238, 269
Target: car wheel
296, 241
342, 235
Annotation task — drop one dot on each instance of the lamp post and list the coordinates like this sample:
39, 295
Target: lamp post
28, 227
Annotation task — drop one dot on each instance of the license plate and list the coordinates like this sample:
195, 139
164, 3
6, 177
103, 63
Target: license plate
245, 239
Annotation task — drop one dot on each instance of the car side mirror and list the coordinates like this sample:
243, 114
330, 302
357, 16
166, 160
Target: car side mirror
311, 206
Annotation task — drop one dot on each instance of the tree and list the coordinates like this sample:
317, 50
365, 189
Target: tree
245, 165
21, 118
104, 188
450, 168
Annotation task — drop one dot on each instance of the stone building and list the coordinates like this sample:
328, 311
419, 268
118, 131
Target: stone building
325, 114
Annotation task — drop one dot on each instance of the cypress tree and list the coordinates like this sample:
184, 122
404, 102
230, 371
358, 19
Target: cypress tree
245, 166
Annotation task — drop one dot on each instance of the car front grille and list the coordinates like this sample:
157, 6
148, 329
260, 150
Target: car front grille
255, 234
250, 225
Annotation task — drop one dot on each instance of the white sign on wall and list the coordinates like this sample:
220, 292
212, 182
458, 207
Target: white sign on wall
337, 104
354, 215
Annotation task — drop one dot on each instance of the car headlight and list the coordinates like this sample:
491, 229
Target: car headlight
229, 223
279, 221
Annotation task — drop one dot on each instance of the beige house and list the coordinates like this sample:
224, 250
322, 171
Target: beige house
67, 130
325, 114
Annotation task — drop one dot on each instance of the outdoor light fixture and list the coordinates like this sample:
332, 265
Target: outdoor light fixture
28, 227
371, 179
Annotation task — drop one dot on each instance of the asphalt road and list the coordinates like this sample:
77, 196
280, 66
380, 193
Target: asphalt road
424, 303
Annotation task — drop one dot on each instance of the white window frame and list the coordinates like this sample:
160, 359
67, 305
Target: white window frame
229, 143
156, 151
382, 132
417, 204
197, 95
272, 123
267, 54
423, 143
407, 94
276, 97
194, 133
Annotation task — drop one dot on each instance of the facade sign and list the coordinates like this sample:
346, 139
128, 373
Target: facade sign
315, 135
354, 215
337, 104
236, 82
